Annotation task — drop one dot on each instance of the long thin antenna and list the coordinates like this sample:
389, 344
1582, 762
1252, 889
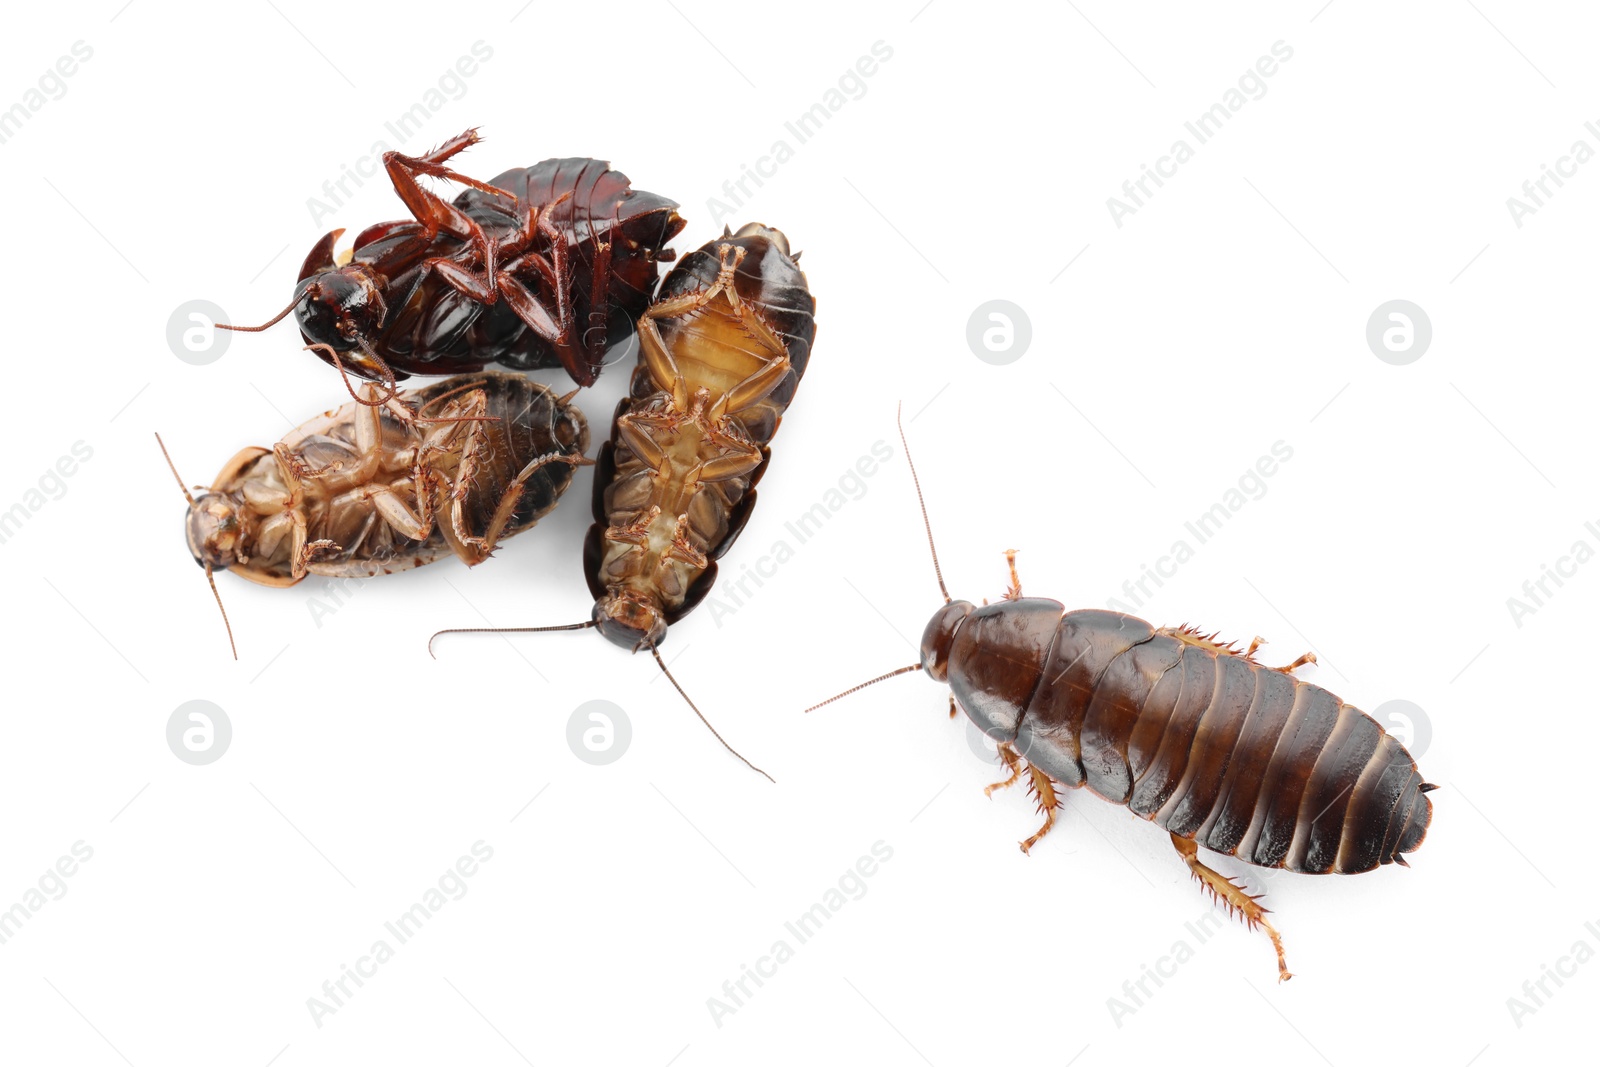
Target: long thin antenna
174, 469
391, 389
863, 685
265, 325
507, 630
224, 611
663, 665
921, 503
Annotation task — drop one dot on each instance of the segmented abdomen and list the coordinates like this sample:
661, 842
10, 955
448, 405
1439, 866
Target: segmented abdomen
1244, 759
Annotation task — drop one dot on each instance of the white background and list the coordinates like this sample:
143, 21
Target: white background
1227, 314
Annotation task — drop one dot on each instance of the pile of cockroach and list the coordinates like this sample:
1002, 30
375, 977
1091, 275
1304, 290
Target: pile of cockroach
555, 265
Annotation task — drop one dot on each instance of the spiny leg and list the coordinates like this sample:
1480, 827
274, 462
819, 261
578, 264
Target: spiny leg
1042, 786
308, 554
1231, 896
1015, 590
1007, 754
289, 466
508, 500
600, 289
682, 549
434, 212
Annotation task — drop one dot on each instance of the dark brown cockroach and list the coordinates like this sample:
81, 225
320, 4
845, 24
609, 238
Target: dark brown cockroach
1191, 734
354, 492
541, 266
721, 353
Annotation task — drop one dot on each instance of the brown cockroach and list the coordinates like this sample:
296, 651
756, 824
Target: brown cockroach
721, 353
1189, 733
540, 266
354, 492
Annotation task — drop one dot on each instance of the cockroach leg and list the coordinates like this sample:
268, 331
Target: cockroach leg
1232, 896
561, 287
1309, 657
630, 430
394, 511
600, 283
1007, 754
480, 287
556, 330
308, 554
289, 471
636, 532
513, 493
952, 705
1043, 787
1250, 653
724, 467
1015, 590
433, 212
754, 388
296, 466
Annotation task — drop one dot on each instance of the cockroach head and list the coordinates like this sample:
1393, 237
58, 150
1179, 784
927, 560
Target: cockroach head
940, 636
630, 621
214, 530
340, 308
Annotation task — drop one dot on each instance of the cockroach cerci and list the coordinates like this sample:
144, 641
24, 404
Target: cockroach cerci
721, 353
355, 492
1193, 735
541, 266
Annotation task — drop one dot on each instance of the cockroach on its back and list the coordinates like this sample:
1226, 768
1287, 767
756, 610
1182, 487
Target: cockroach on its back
721, 352
676, 482
1187, 733
382, 486
541, 266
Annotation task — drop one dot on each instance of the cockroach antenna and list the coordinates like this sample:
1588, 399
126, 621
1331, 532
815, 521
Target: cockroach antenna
210, 578
921, 503
663, 665
279, 317
863, 685
653, 651
391, 389
899, 425
507, 630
